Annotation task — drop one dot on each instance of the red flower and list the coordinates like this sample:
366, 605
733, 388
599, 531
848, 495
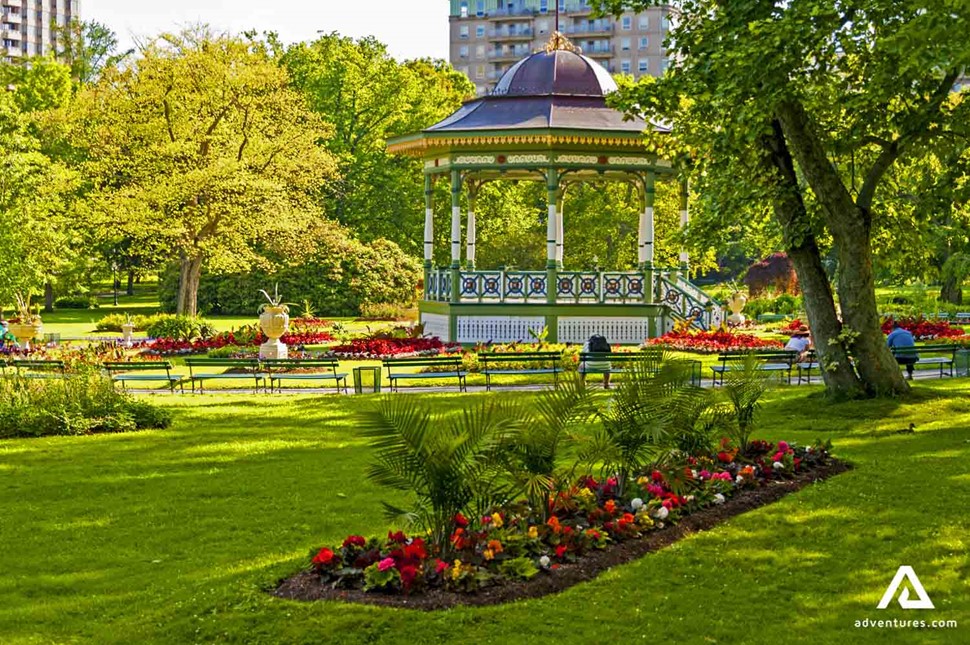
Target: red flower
408, 573
440, 566
561, 551
398, 537
724, 457
415, 550
461, 521
325, 557
355, 540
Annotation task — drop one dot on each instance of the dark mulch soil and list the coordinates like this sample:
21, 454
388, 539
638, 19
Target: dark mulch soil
308, 586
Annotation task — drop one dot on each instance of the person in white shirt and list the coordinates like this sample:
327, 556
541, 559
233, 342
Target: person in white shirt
801, 342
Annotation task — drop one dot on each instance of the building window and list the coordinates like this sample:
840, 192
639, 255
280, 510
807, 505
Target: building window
643, 67
463, 69
625, 44
480, 51
463, 51
665, 23
480, 8
627, 22
644, 23
543, 6
480, 71
625, 66
543, 26
463, 9
562, 6
463, 31
644, 42
480, 31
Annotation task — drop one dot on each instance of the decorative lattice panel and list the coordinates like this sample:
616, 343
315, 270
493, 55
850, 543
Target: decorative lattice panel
499, 329
435, 325
618, 331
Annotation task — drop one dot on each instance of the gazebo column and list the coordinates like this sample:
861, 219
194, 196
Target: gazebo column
552, 250
428, 234
455, 236
470, 230
646, 235
684, 222
560, 230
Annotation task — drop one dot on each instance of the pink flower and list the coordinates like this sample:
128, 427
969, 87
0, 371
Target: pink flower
440, 567
385, 564
655, 490
705, 474
783, 446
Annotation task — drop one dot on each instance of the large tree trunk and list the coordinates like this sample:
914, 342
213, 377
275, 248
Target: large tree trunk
802, 248
190, 271
130, 290
850, 227
48, 298
951, 291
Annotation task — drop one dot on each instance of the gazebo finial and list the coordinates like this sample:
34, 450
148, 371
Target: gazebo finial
559, 42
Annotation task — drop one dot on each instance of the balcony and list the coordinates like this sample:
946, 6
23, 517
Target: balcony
513, 13
511, 34
600, 51
508, 55
11, 17
600, 29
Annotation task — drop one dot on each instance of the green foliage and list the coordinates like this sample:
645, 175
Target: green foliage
336, 272
449, 466
744, 386
76, 302
521, 568
178, 327
82, 403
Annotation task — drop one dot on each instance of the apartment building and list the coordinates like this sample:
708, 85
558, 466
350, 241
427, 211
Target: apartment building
26, 26
489, 36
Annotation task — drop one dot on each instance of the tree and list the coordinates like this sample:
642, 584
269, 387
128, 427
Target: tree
802, 87
42, 84
202, 138
90, 48
369, 97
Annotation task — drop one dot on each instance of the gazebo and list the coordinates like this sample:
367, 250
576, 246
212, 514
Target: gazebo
547, 120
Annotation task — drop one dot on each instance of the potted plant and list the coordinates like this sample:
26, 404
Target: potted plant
27, 325
274, 320
736, 302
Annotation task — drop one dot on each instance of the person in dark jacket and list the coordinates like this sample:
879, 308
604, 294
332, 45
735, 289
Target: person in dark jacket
901, 339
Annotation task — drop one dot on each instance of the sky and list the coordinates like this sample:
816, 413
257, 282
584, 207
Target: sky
410, 28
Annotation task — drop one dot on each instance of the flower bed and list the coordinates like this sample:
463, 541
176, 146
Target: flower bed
710, 342
300, 334
924, 329
517, 551
364, 348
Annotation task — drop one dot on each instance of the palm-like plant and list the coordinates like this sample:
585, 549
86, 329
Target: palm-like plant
533, 455
450, 466
642, 422
744, 387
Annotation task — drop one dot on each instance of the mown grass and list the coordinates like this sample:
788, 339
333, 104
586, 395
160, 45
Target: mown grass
174, 536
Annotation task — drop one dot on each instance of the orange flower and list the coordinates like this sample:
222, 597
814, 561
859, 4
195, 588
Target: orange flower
610, 506
495, 546
554, 524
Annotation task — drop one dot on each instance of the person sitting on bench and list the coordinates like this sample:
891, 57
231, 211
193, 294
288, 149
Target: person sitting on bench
899, 338
801, 342
597, 343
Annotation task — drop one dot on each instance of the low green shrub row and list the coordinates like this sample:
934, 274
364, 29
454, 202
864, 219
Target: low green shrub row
160, 325
81, 403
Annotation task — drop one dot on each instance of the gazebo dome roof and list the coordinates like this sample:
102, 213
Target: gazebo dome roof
559, 72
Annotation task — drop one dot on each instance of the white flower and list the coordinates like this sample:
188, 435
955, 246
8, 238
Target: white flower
778, 465
738, 479
719, 499
544, 562
660, 525
661, 513
693, 473
636, 504
690, 498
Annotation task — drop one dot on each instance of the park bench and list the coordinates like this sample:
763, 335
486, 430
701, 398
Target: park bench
780, 361
767, 318
510, 363
806, 366
443, 366
39, 369
962, 318
591, 362
322, 369
202, 369
942, 355
142, 372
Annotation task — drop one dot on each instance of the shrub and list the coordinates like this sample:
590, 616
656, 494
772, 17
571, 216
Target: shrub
179, 327
113, 322
76, 302
774, 273
80, 403
384, 311
338, 275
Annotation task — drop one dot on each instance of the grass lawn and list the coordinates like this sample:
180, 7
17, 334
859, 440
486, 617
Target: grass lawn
173, 536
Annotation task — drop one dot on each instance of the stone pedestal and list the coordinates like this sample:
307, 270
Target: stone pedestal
272, 349
126, 334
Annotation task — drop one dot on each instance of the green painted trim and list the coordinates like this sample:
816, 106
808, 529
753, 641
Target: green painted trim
540, 309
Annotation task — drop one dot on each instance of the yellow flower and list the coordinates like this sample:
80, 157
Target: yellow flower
487, 554
533, 532
585, 494
456, 570
497, 520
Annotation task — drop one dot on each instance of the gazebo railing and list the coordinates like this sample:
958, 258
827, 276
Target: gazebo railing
600, 286
701, 312
503, 286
